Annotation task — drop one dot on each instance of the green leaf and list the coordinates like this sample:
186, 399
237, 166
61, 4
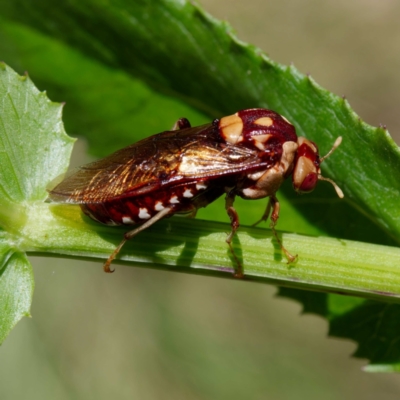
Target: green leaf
26, 111
132, 39
209, 69
107, 106
16, 288
34, 149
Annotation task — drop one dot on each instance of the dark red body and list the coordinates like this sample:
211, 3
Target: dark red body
118, 212
183, 169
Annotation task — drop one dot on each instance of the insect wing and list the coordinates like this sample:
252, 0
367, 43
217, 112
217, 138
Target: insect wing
171, 157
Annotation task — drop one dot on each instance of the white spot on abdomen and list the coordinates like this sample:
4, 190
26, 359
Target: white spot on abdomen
144, 213
127, 220
174, 200
201, 186
159, 206
187, 193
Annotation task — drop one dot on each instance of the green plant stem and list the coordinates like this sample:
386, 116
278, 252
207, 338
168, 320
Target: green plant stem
195, 246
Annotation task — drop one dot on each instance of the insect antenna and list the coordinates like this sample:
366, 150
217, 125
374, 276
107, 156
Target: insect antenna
334, 147
336, 187
321, 178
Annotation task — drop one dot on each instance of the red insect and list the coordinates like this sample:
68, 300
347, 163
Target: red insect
248, 154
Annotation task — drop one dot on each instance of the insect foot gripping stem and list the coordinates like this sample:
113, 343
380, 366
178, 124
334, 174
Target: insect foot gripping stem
234, 217
274, 204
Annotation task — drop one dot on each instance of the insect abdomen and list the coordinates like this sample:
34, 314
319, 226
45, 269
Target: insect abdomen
138, 209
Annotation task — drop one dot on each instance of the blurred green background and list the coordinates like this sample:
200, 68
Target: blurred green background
142, 334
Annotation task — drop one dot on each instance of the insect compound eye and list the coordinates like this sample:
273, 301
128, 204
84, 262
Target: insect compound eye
309, 183
305, 175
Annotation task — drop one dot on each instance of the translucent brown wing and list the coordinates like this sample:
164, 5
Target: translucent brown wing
168, 158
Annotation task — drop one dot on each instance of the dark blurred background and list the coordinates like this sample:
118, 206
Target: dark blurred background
143, 334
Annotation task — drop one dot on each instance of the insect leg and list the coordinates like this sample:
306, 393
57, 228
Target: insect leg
134, 232
265, 216
182, 123
193, 213
234, 217
274, 204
